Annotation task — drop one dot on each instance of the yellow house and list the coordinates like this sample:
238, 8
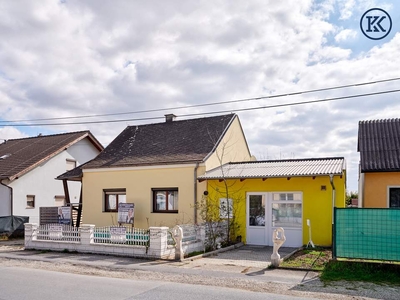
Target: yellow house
155, 167
291, 194
379, 178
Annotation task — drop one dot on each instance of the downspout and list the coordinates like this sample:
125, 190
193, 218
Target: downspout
333, 195
333, 215
11, 195
195, 193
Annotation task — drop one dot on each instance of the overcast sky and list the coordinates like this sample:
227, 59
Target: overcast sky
84, 58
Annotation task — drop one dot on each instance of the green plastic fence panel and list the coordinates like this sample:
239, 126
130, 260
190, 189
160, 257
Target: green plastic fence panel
367, 233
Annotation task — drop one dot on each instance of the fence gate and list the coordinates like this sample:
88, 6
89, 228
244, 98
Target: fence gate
367, 233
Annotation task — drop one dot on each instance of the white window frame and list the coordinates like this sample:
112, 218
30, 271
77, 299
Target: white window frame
223, 208
288, 202
30, 198
70, 164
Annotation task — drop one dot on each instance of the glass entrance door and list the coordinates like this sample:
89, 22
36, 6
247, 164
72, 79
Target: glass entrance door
256, 219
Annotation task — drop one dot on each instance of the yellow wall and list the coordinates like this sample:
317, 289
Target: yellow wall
376, 188
317, 204
138, 183
233, 147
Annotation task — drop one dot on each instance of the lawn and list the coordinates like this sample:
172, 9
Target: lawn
320, 259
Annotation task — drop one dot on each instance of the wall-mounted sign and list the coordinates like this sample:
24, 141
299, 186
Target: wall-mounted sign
126, 213
64, 215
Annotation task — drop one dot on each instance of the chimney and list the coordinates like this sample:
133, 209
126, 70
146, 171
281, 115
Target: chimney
169, 118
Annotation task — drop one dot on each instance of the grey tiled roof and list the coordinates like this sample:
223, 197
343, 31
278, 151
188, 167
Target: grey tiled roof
164, 143
379, 145
19, 156
279, 168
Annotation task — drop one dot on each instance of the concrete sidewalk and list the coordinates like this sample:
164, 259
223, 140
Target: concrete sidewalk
250, 262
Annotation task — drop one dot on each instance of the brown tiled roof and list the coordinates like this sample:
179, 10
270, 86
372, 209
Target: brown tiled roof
379, 145
19, 156
164, 143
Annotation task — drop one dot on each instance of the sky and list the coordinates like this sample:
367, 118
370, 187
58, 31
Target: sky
80, 62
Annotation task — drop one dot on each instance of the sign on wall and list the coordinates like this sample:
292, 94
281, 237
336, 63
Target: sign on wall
64, 215
126, 213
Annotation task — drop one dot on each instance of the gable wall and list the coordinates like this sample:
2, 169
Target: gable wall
317, 204
41, 181
138, 183
376, 188
232, 148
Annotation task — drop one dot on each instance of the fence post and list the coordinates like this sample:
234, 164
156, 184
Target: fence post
158, 241
334, 234
87, 234
178, 233
30, 234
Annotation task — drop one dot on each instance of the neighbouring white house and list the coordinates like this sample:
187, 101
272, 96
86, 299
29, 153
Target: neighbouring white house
29, 166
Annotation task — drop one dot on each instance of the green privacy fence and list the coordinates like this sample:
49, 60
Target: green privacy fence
367, 233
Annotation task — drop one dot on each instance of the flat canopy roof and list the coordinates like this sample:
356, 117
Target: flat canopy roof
278, 168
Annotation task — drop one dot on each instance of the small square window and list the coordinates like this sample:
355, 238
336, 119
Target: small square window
59, 200
30, 201
225, 208
165, 200
71, 164
112, 198
394, 197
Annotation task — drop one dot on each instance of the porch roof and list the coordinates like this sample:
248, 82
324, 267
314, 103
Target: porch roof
278, 168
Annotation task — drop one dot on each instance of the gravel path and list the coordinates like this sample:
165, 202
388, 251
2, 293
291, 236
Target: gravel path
310, 288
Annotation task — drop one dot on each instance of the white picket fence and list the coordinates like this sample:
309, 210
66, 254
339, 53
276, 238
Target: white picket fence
155, 242
121, 235
148, 243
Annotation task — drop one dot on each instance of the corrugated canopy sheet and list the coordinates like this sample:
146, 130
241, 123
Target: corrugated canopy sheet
279, 168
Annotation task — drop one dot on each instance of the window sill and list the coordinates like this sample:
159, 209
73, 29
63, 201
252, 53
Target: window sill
165, 212
29, 207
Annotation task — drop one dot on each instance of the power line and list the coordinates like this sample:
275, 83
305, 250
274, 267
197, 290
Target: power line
211, 103
210, 113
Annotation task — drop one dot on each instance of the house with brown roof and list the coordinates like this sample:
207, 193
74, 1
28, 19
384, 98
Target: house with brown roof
155, 167
29, 166
379, 171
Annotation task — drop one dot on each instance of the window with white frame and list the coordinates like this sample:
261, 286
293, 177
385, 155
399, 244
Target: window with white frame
394, 197
59, 200
112, 197
225, 208
30, 201
71, 164
287, 210
165, 200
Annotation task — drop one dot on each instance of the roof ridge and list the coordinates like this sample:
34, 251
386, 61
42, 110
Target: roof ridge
288, 160
49, 135
183, 120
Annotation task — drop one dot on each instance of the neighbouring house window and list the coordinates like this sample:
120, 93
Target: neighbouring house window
71, 164
112, 198
225, 208
165, 200
287, 210
59, 200
256, 210
394, 197
30, 201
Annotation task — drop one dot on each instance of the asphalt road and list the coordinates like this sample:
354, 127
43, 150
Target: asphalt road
23, 283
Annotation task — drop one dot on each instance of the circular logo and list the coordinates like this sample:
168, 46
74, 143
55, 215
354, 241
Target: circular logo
375, 23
